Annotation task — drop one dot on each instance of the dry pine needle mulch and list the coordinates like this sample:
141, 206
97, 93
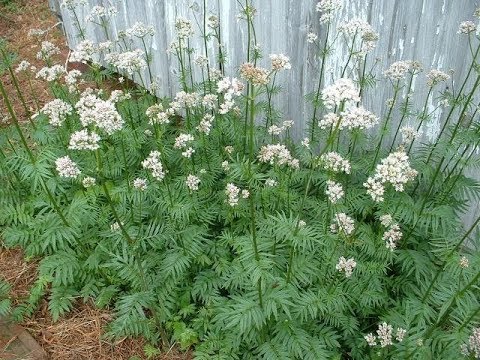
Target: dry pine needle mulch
78, 335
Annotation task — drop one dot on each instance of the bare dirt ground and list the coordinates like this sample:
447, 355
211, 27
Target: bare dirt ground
77, 336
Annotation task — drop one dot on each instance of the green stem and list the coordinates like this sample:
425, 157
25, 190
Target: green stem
30, 153
149, 60
446, 312
472, 66
450, 254
404, 112
422, 117
17, 87
319, 85
452, 137
205, 42
385, 124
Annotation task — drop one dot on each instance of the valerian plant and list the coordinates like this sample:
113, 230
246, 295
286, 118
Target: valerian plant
200, 220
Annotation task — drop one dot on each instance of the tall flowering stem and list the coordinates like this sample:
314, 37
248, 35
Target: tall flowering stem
7, 62
205, 45
330, 142
396, 87
450, 113
423, 116
450, 141
404, 111
269, 121
148, 58
450, 254
319, 85
460, 172
30, 153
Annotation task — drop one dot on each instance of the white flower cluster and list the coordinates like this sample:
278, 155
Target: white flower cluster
394, 169
280, 62
386, 220
358, 118
392, 236
277, 130
215, 74
467, 27
184, 100
100, 12
312, 37
128, 61
83, 140
230, 88
253, 74
88, 181
104, 46
232, 193
399, 69
98, 112
362, 32
153, 163
184, 28
181, 142
119, 95
271, 182
205, 124
71, 78
57, 111
327, 8
277, 154
473, 346
47, 50
464, 263
50, 73
22, 66
329, 120
409, 134
192, 182
306, 142
213, 22
334, 191
66, 167
83, 52
140, 184
385, 333
435, 76
353, 118
115, 226
72, 4
346, 266
140, 30
334, 162
201, 61
210, 101
157, 115
342, 90
342, 223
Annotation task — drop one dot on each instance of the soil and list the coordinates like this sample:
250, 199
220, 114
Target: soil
17, 18
78, 335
